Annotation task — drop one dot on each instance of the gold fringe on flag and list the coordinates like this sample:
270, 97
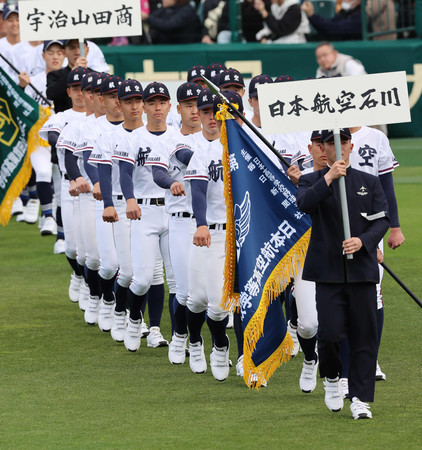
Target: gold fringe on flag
276, 283
24, 174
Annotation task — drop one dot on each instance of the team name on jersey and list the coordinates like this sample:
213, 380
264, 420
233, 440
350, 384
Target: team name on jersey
215, 170
367, 153
142, 156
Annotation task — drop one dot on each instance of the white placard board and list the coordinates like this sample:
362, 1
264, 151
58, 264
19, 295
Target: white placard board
330, 103
64, 19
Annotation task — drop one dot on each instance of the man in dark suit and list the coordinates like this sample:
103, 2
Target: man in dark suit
345, 288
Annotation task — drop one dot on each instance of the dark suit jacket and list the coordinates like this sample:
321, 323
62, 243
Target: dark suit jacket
57, 89
325, 262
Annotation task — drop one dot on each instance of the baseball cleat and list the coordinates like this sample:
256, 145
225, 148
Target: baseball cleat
219, 362
59, 247
144, 329
49, 227
360, 410
105, 316
308, 377
344, 382
92, 310
177, 348
21, 217
74, 287
83, 295
379, 374
333, 394
197, 361
155, 338
118, 329
32, 211
239, 367
132, 337
293, 333
17, 207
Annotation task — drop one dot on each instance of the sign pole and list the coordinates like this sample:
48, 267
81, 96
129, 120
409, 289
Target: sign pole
342, 186
82, 46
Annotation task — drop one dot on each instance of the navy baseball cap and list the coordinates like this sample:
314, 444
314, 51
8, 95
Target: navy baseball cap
230, 77
205, 99
213, 69
129, 88
75, 76
156, 89
47, 44
188, 91
110, 84
97, 80
87, 80
283, 78
328, 135
9, 9
316, 135
257, 80
233, 97
195, 73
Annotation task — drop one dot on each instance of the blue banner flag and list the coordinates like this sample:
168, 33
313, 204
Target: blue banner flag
267, 238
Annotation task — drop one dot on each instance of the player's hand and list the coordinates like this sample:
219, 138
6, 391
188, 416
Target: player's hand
81, 62
82, 185
338, 169
73, 188
133, 211
396, 238
308, 8
24, 79
96, 191
352, 245
177, 189
110, 214
202, 236
380, 256
294, 174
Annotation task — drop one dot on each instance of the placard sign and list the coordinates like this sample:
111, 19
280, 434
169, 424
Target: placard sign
331, 103
64, 19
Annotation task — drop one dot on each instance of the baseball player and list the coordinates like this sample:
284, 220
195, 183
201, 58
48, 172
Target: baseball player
195, 75
149, 233
168, 168
10, 15
206, 259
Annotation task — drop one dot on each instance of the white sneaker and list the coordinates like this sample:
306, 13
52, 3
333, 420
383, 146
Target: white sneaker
74, 287
32, 210
105, 316
92, 310
59, 247
219, 362
239, 367
21, 217
253, 381
155, 338
41, 221
293, 333
379, 374
132, 337
333, 394
144, 329
83, 295
344, 382
197, 361
49, 227
230, 323
17, 207
360, 410
308, 377
177, 348
118, 329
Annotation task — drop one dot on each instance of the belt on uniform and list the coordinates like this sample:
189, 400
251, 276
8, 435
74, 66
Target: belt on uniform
151, 201
182, 214
119, 197
217, 226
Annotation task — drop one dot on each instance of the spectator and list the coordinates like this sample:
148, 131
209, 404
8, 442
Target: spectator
175, 23
334, 64
345, 25
284, 23
382, 17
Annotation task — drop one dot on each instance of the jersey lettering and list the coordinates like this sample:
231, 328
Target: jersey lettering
367, 153
142, 156
215, 170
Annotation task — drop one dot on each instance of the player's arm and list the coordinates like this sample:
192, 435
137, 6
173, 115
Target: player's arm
72, 169
133, 211
104, 173
184, 155
202, 235
162, 178
92, 172
396, 237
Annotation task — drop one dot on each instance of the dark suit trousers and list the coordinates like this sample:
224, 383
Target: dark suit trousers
348, 310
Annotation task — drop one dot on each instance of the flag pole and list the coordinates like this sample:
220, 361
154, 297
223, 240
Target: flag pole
215, 90
30, 84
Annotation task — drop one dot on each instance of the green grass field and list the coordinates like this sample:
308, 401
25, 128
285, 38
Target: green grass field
64, 384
